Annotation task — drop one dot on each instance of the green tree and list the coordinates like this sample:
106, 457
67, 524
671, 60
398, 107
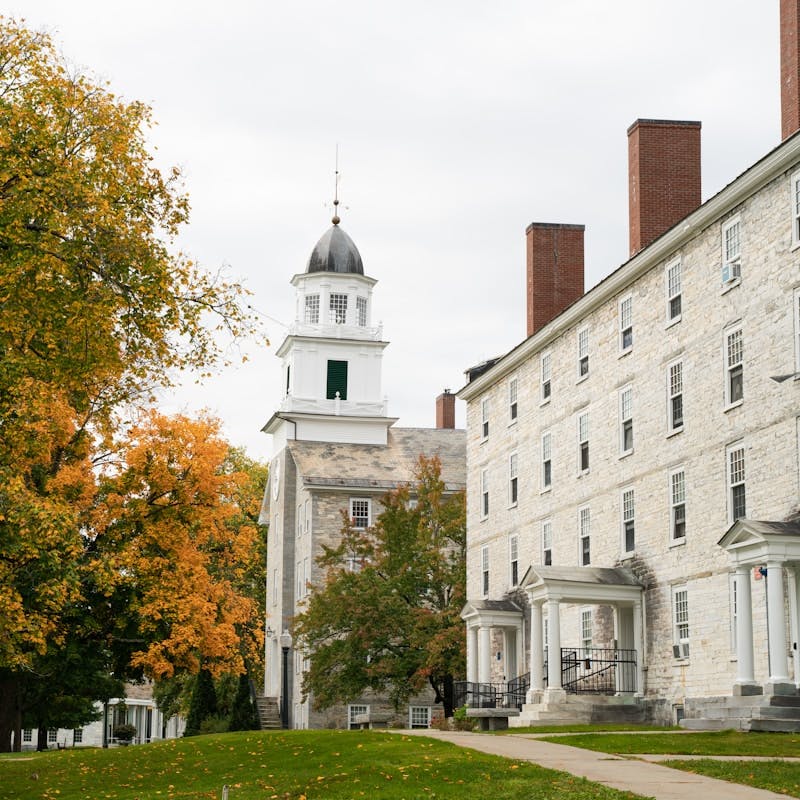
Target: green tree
243, 713
393, 624
203, 703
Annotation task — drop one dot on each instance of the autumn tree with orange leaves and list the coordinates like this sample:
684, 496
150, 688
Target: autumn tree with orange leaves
96, 310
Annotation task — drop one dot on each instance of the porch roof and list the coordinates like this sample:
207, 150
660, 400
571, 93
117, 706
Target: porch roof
582, 584
751, 541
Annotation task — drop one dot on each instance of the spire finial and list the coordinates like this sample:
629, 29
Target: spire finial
336, 219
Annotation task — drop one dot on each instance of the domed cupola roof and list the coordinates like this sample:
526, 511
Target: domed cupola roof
335, 252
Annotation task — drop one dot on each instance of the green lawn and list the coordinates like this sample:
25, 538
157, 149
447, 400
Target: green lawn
604, 726
776, 776
718, 743
329, 765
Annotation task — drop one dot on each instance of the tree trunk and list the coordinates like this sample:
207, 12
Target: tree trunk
9, 711
448, 695
41, 737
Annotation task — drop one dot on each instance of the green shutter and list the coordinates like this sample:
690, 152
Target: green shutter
337, 380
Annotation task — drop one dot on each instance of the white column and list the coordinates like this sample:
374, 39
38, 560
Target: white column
536, 653
791, 574
554, 646
472, 653
745, 674
777, 623
638, 646
508, 656
519, 643
484, 654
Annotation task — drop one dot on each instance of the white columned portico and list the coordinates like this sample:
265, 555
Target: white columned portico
472, 653
554, 646
745, 675
777, 624
484, 654
536, 654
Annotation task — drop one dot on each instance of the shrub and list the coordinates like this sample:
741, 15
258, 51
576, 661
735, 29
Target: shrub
124, 733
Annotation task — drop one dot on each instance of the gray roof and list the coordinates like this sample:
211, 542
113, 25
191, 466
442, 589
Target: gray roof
335, 252
760, 527
611, 576
378, 466
491, 605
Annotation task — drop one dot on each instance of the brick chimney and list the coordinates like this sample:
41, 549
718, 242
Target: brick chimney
446, 410
554, 270
663, 176
790, 67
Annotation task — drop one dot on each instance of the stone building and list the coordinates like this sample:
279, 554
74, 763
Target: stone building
633, 464
335, 448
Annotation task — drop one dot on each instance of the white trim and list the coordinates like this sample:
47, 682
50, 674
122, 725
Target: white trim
681, 617
355, 710
794, 199
547, 461
731, 251
484, 496
676, 496
625, 416
484, 419
513, 400
353, 501
625, 322
583, 331
583, 439
673, 289
513, 479
485, 576
735, 475
584, 533
545, 377
627, 514
729, 351
674, 390
513, 556
546, 529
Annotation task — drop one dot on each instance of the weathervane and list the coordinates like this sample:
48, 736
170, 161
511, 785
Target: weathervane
335, 219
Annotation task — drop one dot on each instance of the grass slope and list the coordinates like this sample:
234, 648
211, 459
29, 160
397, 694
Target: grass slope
310, 765
782, 777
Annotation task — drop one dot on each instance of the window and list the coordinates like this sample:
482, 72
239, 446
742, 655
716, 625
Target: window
513, 555
52, 736
484, 493
361, 311
485, 418
512, 479
731, 252
512, 400
673, 272
677, 505
547, 464
312, 309
680, 620
547, 543
27, 735
586, 628
545, 376
360, 512
337, 380
737, 506
354, 711
338, 309
583, 442
797, 330
628, 522
288, 379
675, 396
734, 365
307, 516
419, 717
626, 420
583, 353
795, 184
77, 736
485, 570
626, 323
585, 534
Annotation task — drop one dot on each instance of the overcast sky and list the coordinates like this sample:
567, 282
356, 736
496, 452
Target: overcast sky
458, 124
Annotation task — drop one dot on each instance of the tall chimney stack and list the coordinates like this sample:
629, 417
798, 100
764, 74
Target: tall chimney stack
446, 410
663, 177
554, 270
790, 67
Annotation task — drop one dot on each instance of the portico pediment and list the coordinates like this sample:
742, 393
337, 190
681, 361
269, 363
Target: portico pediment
494, 613
595, 585
750, 542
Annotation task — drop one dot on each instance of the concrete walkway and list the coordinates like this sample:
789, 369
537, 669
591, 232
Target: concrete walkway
627, 773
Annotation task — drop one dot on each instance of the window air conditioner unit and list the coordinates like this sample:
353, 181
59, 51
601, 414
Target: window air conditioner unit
731, 271
680, 650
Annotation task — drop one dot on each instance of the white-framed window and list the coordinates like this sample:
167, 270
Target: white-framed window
586, 628
484, 493
419, 717
584, 536
626, 323
513, 479
734, 366
737, 505
673, 283
680, 619
512, 400
547, 542
626, 420
355, 710
545, 376
797, 330
677, 505
513, 559
547, 460
795, 195
337, 309
731, 251
583, 442
733, 593
485, 570
361, 311
628, 521
77, 736
27, 735
312, 309
485, 418
583, 353
675, 397
360, 512
52, 736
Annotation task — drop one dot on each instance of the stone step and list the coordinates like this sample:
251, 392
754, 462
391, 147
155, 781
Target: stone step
269, 715
784, 700
776, 725
707, 724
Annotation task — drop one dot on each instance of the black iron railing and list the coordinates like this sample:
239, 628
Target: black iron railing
492, 695
598, 670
